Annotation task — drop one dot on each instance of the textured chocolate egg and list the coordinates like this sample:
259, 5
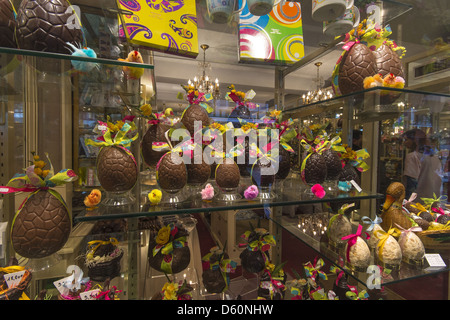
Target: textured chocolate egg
171, 172
41, 227
263, 173
116, 170
227, 175
45, 25
284, 164
194, 113
156, 133
349, 173
241, 112
198, 172
315, 169
388, 61
357, 64
7, 25
334, 164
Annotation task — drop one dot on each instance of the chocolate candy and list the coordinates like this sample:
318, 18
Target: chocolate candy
388, 61
116, 170
41, 227
227, 175
194, 113
45, 25
357, 64
172, 176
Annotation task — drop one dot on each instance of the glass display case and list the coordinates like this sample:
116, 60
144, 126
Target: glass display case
49, 106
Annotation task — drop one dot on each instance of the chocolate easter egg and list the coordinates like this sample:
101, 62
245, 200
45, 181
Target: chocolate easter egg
116, 170
227, 175
284, 164
388, 61
263, 173
198, 171
194, 113
46, 25
171, 172
356, 64
334, 165
156, 133
41, 227
315, 169
241, 112
7, 25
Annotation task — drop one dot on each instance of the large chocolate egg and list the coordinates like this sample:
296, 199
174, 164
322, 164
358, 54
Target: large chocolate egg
198, 171
41, 227
7, 25
116, 169
45, 25
194, 113
240, 112
315, 169
388, 61
263, 173
227, 175
356, 64
334, 164
156, 133
284, 163
171, 172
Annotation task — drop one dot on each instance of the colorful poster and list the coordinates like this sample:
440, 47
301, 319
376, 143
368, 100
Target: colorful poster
167, 26
274, 38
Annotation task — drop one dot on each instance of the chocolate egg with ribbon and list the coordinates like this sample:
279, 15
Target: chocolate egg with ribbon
43, 223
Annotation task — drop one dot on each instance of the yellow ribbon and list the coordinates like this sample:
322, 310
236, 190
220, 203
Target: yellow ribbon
112, 241
383, 236
419, 207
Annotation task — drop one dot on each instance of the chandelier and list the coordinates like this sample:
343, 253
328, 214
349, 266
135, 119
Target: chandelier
319, 94
203, 83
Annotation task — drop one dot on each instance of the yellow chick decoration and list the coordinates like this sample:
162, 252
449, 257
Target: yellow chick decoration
93, 199
155, 196
371, 82
132, 72
168, 112
393, 82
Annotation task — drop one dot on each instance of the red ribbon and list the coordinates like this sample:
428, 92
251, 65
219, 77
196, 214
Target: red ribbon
352, 238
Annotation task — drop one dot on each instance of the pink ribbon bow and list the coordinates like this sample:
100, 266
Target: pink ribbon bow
352, 238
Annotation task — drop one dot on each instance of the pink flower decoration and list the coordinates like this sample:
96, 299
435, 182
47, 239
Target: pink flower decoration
318, 191
208, 192
251, 192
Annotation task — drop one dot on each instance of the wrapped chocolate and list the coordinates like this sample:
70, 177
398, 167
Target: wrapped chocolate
357, 252
255, 256
338, 227
413, 250
272, 283
169, 251
42, 224
103, 259
388, 250
218, 267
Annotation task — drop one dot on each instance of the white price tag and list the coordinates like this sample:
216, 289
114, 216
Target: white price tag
89, 295
434, 260
61, 284
357, 187
13, 279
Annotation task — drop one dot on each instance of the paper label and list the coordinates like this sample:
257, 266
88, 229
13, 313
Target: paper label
357, 187
2, 238
435, 260
13, 279
89, 295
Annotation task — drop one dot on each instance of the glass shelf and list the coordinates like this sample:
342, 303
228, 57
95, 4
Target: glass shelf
296, 195
337, 257
60, 56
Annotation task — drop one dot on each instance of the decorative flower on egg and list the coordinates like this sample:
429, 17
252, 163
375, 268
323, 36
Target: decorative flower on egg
249, 126
170, 290
349, 153
115, 127
146, 110
163, 235
39, 166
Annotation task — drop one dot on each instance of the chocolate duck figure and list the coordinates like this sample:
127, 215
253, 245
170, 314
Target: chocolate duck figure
392, 213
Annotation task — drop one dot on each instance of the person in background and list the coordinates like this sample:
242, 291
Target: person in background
430, 178
414, 141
